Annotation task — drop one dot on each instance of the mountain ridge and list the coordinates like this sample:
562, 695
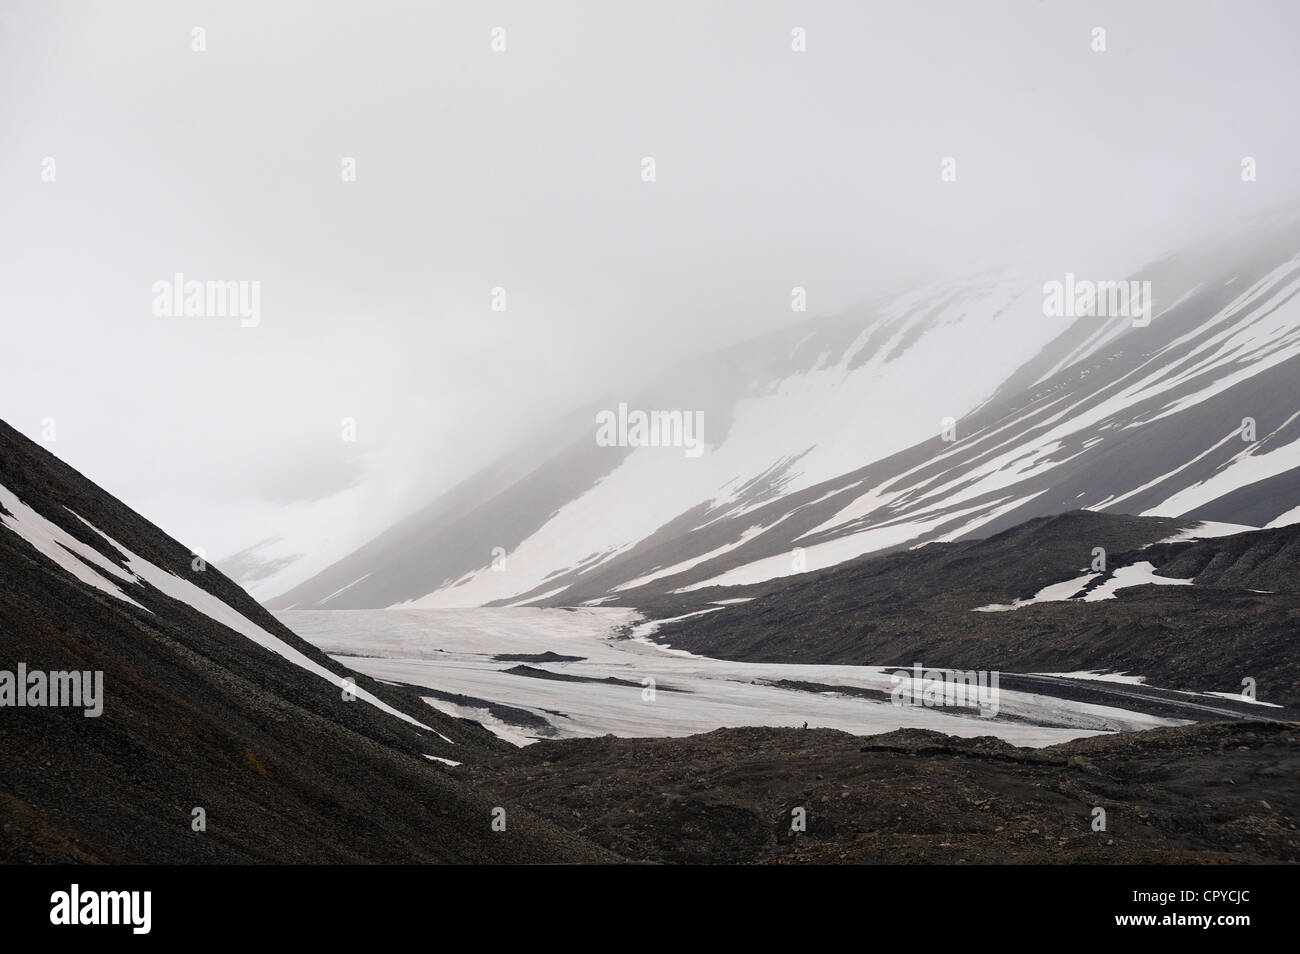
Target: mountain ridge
1103, 415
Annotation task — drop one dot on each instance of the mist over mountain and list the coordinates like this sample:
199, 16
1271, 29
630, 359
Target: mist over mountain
381, 206
874, 431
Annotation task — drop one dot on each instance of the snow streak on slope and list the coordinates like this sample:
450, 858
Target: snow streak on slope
1053, 593
85, 563
1208, 530
823, 555
1256, 462
91, 567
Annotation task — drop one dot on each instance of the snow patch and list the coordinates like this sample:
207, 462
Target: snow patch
83, 561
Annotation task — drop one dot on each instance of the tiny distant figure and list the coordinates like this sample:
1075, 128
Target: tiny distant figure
805, 725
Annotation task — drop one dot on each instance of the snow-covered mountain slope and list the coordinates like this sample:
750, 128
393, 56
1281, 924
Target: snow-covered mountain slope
861, 434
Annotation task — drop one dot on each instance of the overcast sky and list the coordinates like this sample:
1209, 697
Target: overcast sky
523, 169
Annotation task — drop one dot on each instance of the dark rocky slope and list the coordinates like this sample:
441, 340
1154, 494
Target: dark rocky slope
918, 606
197, 715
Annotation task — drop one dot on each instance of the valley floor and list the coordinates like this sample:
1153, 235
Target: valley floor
530, 674
715, 766
1200, 794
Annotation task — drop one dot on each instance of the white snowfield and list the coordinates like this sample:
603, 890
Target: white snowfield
91, 567
452, 650
1138, 574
